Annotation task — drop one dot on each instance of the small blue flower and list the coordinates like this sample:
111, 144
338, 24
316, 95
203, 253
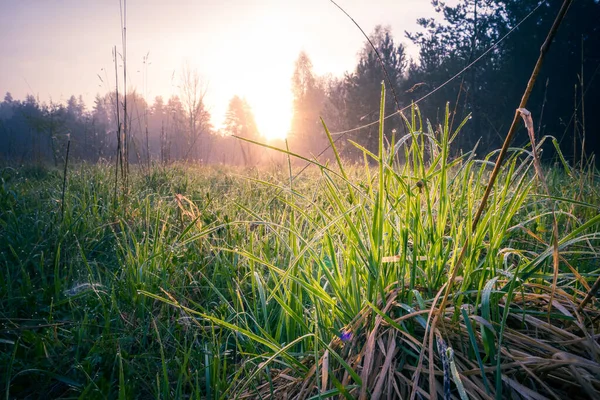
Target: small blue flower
345, 336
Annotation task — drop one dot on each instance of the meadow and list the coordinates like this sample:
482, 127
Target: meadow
345, 281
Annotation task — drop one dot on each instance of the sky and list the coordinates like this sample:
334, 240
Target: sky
55, 48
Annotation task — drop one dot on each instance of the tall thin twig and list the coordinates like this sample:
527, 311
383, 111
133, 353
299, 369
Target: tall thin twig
146, 110
124, 44
64, 186
509, 137
119, 150
583, 155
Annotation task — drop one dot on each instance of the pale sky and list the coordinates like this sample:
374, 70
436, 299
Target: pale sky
55, 48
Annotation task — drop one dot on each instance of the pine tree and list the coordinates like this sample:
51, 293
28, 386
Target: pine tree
492, 88
363, 87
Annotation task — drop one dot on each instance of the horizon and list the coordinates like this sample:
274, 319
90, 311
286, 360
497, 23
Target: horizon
259, 44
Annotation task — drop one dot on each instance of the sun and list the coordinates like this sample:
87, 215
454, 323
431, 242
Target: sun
273, 114
270, 98
267, 73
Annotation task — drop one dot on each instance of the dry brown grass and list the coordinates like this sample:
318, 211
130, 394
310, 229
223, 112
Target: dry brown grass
549, 356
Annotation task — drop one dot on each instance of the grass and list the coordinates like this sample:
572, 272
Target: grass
221, 283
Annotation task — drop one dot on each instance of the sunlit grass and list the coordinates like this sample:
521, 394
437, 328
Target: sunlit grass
217, 282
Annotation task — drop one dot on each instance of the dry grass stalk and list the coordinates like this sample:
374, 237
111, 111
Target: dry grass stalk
556, 358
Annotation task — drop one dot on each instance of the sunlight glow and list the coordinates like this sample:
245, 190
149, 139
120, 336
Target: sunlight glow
273, 114
267, 50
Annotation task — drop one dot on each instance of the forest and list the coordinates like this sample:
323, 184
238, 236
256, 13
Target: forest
488, 37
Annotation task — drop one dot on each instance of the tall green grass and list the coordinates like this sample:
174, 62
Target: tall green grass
214, 280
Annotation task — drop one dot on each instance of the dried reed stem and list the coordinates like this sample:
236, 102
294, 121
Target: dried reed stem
511, 132
64, 186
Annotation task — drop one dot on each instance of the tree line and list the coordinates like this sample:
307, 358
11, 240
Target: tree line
494, 42
178, 129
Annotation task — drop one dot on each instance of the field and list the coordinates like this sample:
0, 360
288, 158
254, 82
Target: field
214, 282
